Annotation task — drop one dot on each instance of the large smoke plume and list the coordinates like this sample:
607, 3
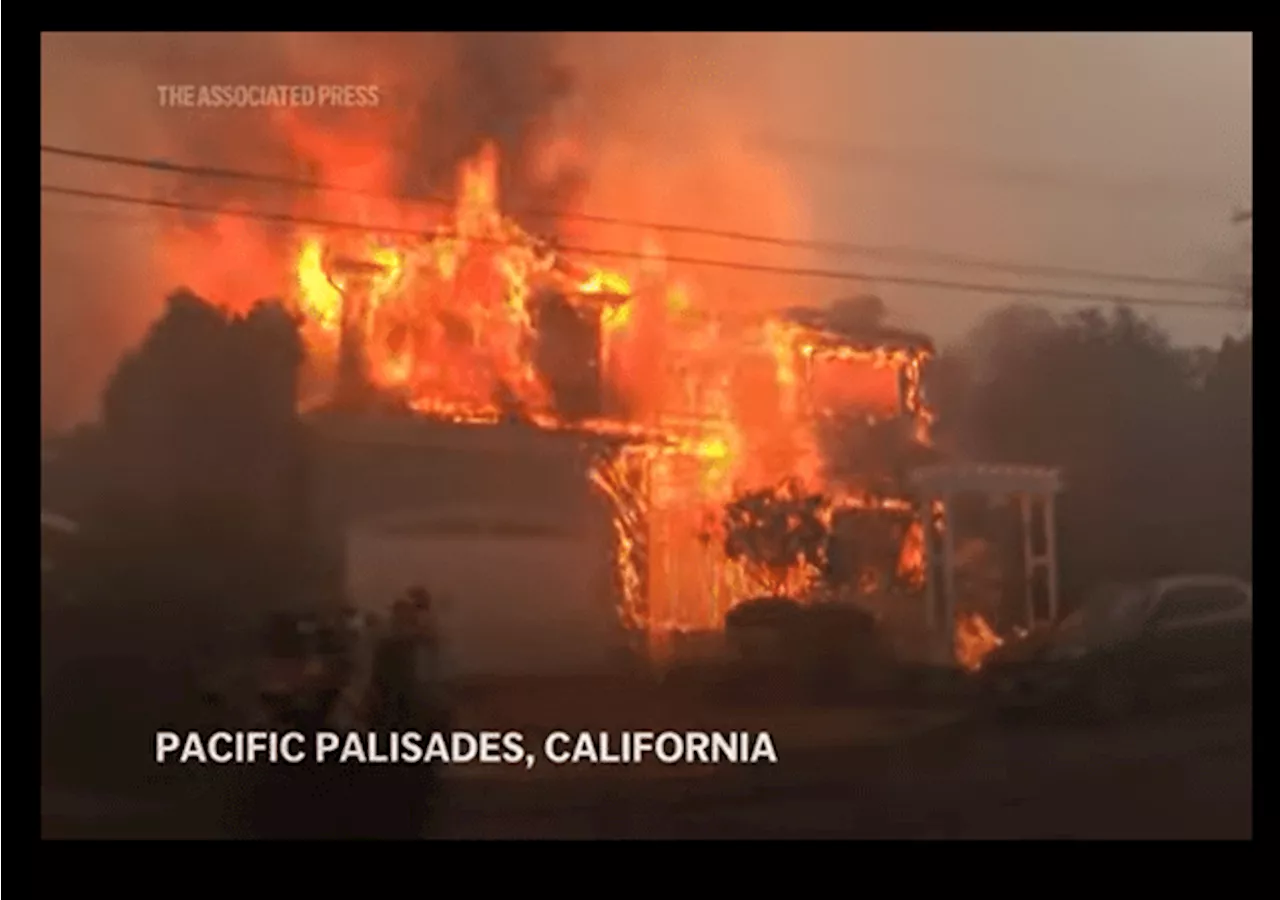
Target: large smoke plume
646, 127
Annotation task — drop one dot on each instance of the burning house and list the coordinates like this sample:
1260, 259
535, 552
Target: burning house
480, 376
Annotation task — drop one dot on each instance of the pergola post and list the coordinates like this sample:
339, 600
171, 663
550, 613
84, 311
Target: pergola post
1051, 553
1028, 560
930, 562
948, 569
940, 484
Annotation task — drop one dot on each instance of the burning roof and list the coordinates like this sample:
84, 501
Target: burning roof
480, 322
867, 337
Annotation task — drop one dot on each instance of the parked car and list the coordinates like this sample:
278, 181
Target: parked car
1131, 644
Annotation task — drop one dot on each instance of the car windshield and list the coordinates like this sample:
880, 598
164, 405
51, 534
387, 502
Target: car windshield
1109, 609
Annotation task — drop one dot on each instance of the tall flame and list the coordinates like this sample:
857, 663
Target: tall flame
711, 405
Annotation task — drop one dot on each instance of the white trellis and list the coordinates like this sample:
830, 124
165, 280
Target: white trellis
1032, 486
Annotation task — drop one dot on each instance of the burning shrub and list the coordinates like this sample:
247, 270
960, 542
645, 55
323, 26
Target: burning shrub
778, 535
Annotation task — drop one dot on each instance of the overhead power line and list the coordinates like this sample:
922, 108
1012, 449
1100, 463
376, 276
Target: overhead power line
951, 165
888, 253
827, 274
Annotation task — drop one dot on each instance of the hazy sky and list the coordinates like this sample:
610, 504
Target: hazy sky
1123, 152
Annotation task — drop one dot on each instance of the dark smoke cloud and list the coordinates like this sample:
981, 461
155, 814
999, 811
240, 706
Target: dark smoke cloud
502, 87
445, 93
626, 124
450, 92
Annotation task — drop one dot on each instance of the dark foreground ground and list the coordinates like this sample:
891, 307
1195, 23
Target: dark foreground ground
1179, 775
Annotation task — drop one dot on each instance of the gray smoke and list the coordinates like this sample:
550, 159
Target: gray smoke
441, 96
448, 92
502, 87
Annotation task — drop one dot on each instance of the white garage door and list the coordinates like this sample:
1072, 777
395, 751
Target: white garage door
513, 597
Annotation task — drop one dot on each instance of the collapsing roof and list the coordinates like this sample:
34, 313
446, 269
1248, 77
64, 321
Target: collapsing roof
867, 336
986, 478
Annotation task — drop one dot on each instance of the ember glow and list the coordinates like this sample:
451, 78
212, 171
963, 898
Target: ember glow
975, 639
479, 321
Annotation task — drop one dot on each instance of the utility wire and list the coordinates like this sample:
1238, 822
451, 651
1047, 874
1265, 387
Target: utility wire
905, 254
828, 274
948, 164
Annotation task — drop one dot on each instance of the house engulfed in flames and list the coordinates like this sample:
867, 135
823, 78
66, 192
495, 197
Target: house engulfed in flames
483, 323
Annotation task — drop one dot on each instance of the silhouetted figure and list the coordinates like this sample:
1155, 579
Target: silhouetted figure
300, 691
405, 698
427, 628
406, 671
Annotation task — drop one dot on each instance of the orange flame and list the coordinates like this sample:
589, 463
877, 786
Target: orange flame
975, 639
452, 324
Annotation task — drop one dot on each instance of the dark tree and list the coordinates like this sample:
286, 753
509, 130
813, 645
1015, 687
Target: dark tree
192, 526
201, 417
1227, 439
1154, 440
200, 482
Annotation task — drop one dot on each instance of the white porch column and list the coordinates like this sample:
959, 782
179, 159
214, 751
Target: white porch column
948, 569
930, 563
1028, 560
1051, 553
